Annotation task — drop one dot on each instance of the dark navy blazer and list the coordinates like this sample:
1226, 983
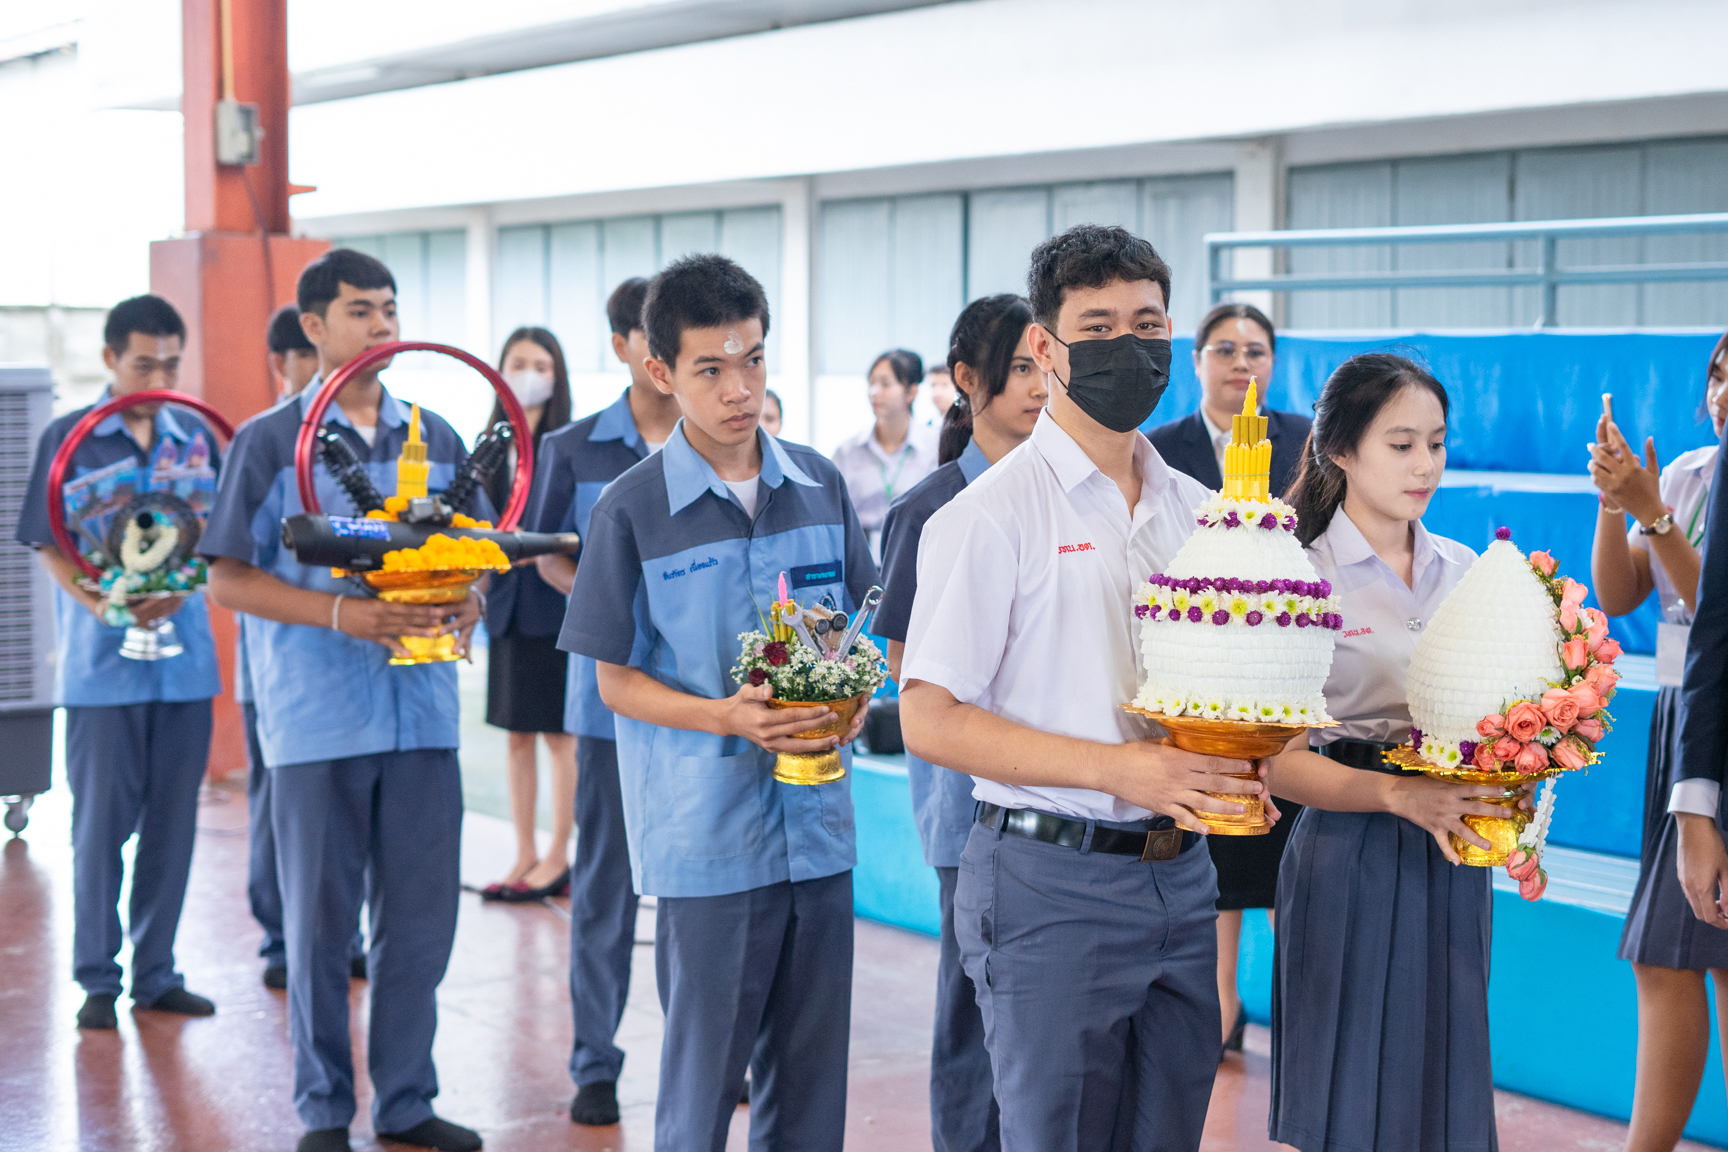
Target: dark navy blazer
1186, 446
1704, 690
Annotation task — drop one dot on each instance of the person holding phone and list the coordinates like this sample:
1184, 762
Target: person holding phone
1670, 950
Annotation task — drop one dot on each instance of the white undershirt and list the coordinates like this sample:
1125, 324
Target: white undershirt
653, 445
368, 433
745, 490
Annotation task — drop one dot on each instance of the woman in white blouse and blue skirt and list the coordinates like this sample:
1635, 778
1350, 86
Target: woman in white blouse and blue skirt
1380, 984
1670, 948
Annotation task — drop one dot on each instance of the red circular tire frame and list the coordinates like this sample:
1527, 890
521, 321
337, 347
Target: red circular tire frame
63, 458
303, 445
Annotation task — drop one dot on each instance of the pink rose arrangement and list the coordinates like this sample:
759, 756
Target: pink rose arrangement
1561, 728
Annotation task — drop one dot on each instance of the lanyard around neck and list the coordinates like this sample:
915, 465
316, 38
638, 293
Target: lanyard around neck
889, 482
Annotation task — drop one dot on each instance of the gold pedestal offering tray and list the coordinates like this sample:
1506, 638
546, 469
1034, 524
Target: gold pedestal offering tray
1501, 789
429, 586
816, 767
1237, 740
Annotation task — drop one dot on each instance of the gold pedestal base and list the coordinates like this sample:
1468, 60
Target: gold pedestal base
1501, 789
440, 586
816, 767
1238, 740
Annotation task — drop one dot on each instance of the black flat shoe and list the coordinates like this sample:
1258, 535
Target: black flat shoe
516, 895
98, 1013
1234, 1042
324, 1140
276, 976
440, 1134
184, 1002
357, 968
596, 1104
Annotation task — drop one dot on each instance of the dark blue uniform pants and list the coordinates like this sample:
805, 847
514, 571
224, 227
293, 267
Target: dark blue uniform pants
262, 890
963, 1112
133, 768
391, 823
1097, 977
602, 914
760, 979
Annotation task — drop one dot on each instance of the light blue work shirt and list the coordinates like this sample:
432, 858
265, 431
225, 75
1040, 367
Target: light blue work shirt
575, 465
672, 571
942, 803
89, 670
321, 694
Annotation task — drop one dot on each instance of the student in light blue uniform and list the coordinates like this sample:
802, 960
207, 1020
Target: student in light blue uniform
137, 731
365, 788
753, 948
294, 361
1000, 394
575, 464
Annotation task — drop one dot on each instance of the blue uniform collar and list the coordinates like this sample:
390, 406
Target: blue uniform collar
111, 425
688, 475
973, 462
617, 422
392, 413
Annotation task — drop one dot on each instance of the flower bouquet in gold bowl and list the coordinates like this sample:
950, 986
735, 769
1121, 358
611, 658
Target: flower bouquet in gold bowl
1509, 685
815, 657
431, 585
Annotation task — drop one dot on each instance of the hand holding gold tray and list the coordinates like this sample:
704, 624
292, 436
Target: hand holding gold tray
1506, 790
1236, 740
426, 586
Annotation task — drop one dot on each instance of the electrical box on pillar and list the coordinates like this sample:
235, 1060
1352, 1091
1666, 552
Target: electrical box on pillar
238, 132
237, 260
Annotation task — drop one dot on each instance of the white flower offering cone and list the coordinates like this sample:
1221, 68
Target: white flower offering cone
1495, 639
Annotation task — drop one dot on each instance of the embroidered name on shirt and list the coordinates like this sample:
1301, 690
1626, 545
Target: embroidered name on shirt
1064, 549
695, 566
352, 526
1360, 632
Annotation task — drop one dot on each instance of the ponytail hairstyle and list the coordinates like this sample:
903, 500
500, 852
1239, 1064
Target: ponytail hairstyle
984, 339
1348, 406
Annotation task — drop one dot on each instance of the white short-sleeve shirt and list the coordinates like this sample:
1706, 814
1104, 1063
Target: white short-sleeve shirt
1023, 608
1684, 487
1383, 617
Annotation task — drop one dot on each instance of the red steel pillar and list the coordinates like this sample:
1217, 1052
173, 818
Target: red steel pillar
236, 262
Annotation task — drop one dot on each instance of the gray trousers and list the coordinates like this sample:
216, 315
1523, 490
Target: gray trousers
263, 892
760, 979
963, 1112
1097, 978
133, 768
602, 914
389, 825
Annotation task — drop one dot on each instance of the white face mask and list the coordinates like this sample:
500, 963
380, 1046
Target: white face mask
532, 388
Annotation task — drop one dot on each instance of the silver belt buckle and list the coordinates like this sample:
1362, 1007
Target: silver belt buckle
1164, 844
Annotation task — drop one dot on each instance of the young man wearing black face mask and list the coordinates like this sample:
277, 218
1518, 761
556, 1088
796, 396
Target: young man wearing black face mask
1084, 909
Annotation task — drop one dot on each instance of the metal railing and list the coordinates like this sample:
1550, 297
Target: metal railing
1547, 273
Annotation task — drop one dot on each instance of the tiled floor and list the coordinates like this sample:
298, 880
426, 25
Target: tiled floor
222, 1084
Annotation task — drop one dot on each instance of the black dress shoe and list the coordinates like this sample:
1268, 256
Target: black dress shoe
357, 967
1234, 1042
744, 1096
596, 1104
324, 1140
440, 1134
517, 894
184, 1002
276, 976
98, 1012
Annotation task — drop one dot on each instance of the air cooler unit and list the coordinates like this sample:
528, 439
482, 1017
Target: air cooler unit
26, 603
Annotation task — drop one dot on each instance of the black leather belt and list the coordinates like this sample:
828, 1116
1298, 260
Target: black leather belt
1164, 843
1364, 754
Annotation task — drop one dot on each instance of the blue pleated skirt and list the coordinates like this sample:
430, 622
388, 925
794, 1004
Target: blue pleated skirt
1660, 928
1380, 992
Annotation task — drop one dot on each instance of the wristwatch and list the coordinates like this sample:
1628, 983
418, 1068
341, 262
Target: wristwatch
1660, 526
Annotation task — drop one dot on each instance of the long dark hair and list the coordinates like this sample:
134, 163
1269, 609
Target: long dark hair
555, 415
983, 339
1348, 405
